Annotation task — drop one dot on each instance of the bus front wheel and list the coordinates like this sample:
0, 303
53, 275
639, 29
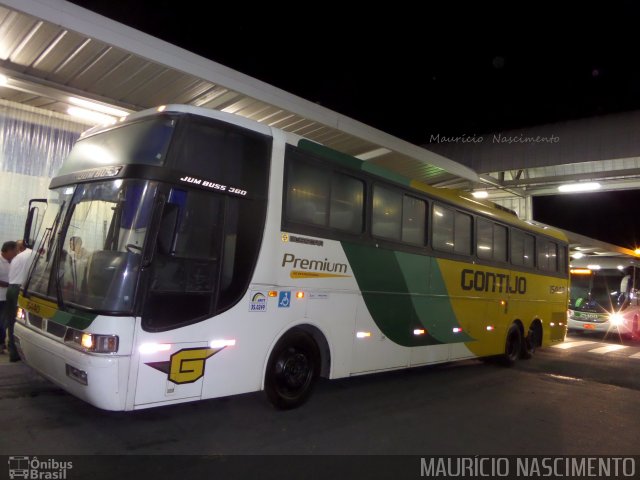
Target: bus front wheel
292, 371
513, 345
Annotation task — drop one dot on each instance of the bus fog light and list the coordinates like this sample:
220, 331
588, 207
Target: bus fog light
78, 375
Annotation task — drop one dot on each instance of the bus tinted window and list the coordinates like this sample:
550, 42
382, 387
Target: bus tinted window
492, 241
414, 213
462, 234
317, 196
308, 190
142, 142
547, 256
484, 244
347, 203
499, 243
222, 153
451, 230
522, 248
387, 213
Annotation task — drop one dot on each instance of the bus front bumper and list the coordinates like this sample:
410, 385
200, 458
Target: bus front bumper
96, 379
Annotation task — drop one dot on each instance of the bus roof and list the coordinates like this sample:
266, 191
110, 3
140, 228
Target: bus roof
458, 198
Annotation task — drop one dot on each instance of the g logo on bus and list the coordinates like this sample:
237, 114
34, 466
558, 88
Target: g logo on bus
186, 365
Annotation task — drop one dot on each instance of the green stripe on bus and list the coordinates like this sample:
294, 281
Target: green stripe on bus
73, 320
339, 158
385, 278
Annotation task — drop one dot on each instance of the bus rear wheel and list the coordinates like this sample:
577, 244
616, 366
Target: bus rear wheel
531, 341
292, 370
513, 345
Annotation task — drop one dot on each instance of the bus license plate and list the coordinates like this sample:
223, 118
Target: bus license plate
589, 326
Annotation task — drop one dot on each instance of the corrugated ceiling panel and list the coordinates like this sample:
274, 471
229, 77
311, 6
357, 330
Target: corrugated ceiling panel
254, 110
34, 43
13, 30
133, 90
281, 119
223, 100
99, 69
238, 106
154, 88
74, 61
185, 88
54, 54
209, 96
15, 95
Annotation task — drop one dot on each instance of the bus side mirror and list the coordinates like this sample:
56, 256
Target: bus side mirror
34, 221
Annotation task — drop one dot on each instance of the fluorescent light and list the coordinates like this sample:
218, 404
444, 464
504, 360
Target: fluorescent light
593, 267
480, 194
97, 107
577, 255
579, 187
97, 118
378, 152
3, 80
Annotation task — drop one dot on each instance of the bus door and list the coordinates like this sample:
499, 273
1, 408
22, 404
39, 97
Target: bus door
181, 290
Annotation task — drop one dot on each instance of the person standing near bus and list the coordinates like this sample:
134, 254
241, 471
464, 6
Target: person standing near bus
17, 276
9, 250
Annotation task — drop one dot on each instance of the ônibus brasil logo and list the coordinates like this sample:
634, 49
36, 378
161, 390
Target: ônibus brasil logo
37, 469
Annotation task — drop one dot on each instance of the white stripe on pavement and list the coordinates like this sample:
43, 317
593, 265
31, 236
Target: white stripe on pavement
566, 345
607, 349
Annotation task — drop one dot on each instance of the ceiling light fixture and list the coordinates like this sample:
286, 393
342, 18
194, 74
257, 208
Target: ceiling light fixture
3, 80
98, 107
579, 187
480, 194
96, 117
378, 152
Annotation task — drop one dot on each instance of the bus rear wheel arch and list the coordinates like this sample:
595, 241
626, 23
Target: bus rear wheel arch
292, 370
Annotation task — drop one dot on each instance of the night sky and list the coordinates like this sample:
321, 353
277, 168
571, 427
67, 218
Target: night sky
439, 69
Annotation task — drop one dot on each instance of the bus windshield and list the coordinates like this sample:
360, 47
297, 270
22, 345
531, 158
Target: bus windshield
97, 255
597, 291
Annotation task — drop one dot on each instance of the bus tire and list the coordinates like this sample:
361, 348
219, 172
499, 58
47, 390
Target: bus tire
531, 341
292, 370
513, 345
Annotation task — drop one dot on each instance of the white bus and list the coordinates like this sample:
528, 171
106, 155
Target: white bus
192, 254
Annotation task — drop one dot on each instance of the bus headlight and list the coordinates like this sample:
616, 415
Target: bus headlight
91, 342
616, 319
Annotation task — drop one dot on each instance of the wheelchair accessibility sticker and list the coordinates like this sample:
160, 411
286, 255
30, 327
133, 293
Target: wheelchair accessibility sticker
284, 299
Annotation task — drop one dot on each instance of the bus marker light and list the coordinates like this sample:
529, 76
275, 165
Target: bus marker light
273, 293
419, 331
221, 343
457, 329
489, 328
154, 347
503, 303
299, 294
552, 324
363, 334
